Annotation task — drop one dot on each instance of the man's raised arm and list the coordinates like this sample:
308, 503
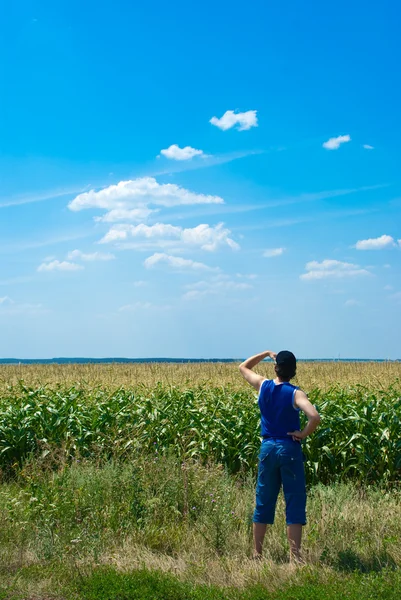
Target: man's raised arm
246, 368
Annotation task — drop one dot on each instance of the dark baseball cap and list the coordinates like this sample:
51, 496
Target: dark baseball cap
286, 358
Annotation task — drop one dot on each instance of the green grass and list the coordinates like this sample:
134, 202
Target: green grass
358, 438
105, 583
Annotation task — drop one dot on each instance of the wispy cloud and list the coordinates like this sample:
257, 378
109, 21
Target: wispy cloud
305, 219
368, 147
332, 269
208, 160
352, 302
271, 252
56, 265
39, 196
92, 256
335, 142
241, 120
380, 243
52, 241
177, 263
174, 152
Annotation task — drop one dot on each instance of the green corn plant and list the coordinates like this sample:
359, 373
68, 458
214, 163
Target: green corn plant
357, 440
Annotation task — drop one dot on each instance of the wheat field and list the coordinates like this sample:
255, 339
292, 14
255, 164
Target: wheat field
313, 374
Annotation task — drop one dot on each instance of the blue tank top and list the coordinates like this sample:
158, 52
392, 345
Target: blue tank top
278, 413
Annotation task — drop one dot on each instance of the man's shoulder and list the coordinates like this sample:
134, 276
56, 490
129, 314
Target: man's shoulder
298, 394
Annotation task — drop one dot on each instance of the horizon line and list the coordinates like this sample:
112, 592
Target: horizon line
116, 359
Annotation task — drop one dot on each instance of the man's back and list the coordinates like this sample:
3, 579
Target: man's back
279, 415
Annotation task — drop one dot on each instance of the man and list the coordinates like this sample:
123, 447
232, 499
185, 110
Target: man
281, 457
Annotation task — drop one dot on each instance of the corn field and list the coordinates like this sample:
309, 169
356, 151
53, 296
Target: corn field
357, 440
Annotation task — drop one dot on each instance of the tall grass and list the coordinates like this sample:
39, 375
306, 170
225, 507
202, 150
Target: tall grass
139, 512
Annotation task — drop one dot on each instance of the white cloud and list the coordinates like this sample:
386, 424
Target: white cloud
148, 231
396, 297
335, 143
332, 269
206, 237
273, 252
243, 121
120, 233
78, 255
116, 234
138, 193
380, 243
140, 283
123, 214
176, 262
352, 302
56, 265
388, 288
368, 147
174, 152
5, 300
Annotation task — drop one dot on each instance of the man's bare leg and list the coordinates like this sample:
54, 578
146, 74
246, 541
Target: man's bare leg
259, 531
294, 535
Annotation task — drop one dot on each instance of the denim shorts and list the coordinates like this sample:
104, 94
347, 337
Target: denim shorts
280, 462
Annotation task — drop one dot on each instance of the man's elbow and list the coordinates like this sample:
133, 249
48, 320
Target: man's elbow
316, 419
243, 369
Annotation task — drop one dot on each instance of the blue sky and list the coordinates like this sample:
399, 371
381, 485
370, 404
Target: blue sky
200, 180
